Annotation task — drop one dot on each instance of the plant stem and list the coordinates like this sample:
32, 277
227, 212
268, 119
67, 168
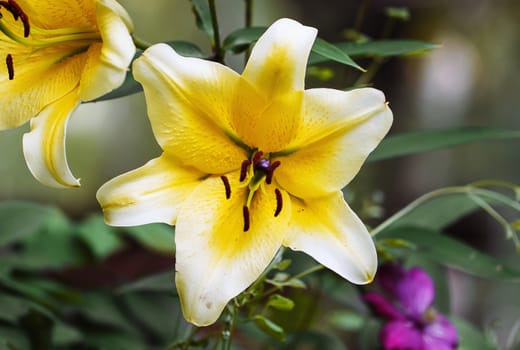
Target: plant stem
249, 13
217, 49
229, 325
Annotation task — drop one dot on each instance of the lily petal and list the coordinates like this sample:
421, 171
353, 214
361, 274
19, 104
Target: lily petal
44, 145
276, 71
151, 193
279, 58
39, 81
108, 62
338, 132
69, 13
188, 103
329, 231
215, 258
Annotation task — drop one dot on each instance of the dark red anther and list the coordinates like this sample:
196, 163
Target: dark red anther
279, 202
226, 186
17, 12
10, 66
270, 171
243, 169
245, 213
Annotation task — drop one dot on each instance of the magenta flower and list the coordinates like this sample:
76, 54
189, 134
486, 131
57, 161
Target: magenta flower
412, 322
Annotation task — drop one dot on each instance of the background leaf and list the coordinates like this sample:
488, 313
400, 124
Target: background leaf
334, 53
19, 220
381, 48
427, 140
203, 17
448, 251
240, 40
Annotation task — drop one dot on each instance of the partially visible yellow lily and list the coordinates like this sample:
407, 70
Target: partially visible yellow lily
251, 162
58, 54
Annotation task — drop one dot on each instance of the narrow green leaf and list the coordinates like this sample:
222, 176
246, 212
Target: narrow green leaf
203, 17
438, 212
100, 238
469, 337
280, 302
448, 251
347, 320
399, 13
158, 237
269, 327
20, 220
240, 40
186, 48
334, 53
380, 48
428, 140
161, 282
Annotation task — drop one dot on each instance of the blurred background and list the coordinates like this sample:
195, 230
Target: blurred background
472, 79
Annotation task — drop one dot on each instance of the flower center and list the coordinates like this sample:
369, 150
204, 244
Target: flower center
254, 173
44, 37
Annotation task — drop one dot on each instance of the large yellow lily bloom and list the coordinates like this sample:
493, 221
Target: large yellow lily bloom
58, 54
251, 162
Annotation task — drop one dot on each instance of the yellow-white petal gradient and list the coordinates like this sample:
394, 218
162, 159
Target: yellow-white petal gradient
108, 62
276, 70
338, 132
44, 145
215, 258
329, 231
39, 80
151, 193
278, 60
189, 103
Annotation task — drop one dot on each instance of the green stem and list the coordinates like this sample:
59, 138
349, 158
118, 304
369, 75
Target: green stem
217, 49
416, 203
360, 16
308, 272
229, 325
249, 13
140, 43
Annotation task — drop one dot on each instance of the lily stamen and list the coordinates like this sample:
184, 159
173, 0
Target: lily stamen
243, 169
279, 202
17, 12
227, 186
10, 66
245, 213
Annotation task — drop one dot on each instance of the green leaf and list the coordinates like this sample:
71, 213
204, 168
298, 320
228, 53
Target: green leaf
438, 212
240, 40
428, 140
203, 17
469, 337
13, 308
280, 302
186, 48
162, 282
399, 13
63, 334
377, 48
12, 338
312, 340
334, 53
269, 327
448, 251
159, 237
347, 320
19, 220
100, 238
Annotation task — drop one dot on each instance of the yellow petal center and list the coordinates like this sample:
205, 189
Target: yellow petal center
255, 173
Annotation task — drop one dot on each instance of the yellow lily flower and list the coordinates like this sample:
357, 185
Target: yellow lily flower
58, 54
251, 162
